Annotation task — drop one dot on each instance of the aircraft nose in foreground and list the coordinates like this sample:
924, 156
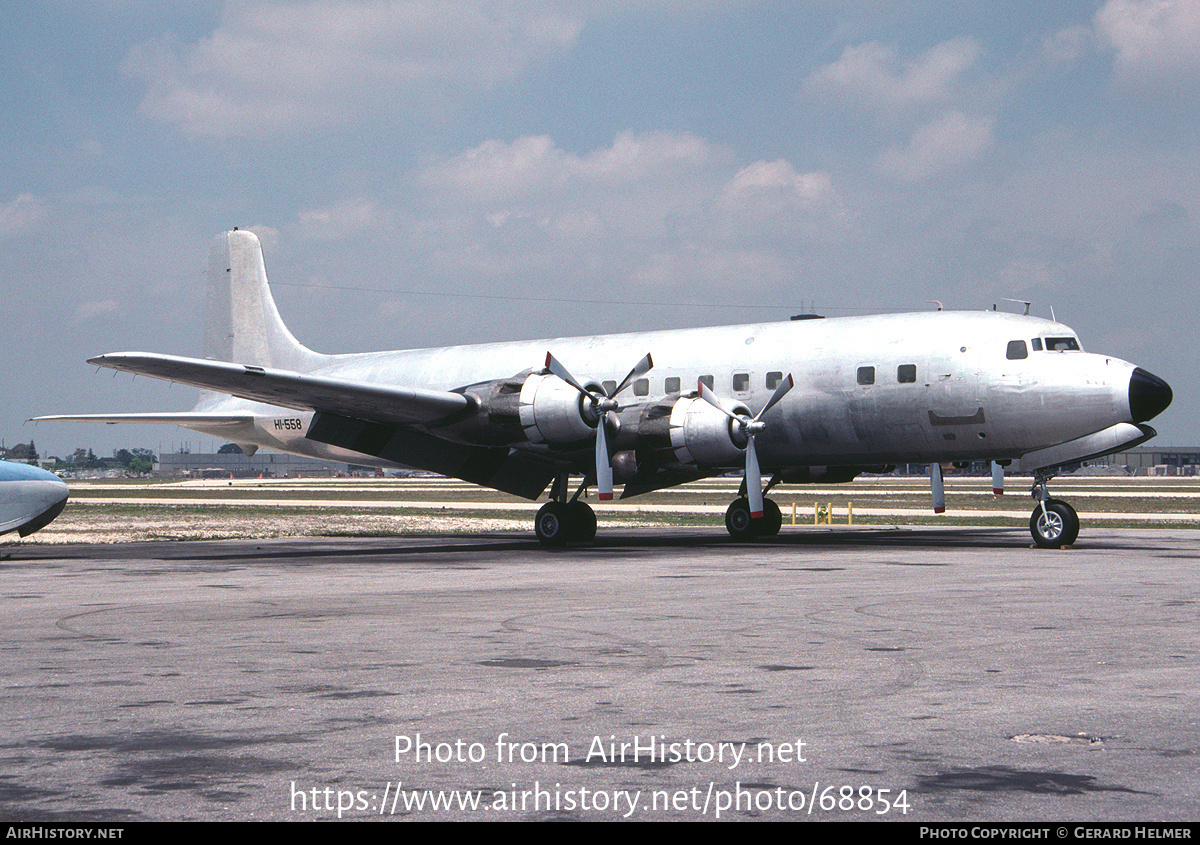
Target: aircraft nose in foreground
1149, 395
30, 498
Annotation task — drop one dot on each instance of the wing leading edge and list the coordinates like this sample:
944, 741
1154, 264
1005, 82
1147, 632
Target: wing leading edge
360, 400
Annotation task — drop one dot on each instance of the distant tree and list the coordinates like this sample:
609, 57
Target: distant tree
122, 456
140, 465
230, 449
23, 452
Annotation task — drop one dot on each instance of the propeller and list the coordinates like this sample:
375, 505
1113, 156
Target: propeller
750, 426
602, 404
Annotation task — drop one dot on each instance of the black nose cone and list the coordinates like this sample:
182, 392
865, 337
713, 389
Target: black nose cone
1149, 395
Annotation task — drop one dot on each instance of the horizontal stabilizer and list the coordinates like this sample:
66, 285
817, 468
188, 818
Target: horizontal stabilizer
185, 419
361, 400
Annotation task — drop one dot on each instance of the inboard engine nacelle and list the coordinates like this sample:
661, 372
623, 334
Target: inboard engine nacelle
530, 407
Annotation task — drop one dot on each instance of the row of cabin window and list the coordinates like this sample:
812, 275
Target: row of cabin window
905, 374
741, 383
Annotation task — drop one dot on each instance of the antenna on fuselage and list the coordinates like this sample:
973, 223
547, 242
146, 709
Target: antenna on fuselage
1024, 302
936, 302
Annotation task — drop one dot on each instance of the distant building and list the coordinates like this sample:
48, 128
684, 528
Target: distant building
1141, 460
1155, 460
266, 464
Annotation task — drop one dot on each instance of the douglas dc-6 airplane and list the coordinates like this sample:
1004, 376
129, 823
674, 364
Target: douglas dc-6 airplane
808, 400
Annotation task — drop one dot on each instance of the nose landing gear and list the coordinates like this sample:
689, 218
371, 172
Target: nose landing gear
1053, 523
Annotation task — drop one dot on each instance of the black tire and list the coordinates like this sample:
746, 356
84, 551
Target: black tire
581, 521
1057, 527
738, 522
771, 520
552, 525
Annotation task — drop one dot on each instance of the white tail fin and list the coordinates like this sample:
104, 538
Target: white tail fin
242, 323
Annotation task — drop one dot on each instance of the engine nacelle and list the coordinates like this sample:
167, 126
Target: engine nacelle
529, 407
552, 411
703, 436
686, 431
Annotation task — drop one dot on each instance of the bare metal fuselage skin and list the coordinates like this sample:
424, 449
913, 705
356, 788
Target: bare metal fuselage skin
962, 399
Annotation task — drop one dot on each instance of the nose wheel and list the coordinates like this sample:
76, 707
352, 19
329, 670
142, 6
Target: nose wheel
1053, 523
1054, 526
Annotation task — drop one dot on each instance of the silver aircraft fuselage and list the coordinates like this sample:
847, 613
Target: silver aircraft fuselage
941, 385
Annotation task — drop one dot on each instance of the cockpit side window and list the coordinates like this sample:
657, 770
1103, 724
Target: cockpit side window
1037, 344
1062, 344
1017, 350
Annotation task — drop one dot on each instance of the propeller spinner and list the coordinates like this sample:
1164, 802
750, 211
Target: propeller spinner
602, 405
750, 426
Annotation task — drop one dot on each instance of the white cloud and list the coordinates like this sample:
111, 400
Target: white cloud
533, 168
21, 214
657, 207
1155, 40
770, 201
276, 67
938, 147
873, 73
643, 186
337, 222
91, 310
777, 184
1067, 45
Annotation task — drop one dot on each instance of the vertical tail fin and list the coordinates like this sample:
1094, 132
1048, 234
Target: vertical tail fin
242, 324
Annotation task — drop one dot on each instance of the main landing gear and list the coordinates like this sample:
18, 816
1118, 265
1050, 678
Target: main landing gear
560, 521
1054, 523
742, 527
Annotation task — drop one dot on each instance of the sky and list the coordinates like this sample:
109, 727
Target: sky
436, 172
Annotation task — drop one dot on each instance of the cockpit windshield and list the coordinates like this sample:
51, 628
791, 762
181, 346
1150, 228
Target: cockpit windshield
1062, 344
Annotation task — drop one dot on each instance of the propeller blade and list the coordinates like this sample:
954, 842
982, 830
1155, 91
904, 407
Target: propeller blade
602, 404
604, 473
708, 396
781, 390
556, 367
753, 480
938, 488
643, 366
997, 479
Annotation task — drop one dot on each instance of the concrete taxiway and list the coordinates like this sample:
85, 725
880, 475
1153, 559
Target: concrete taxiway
925, 674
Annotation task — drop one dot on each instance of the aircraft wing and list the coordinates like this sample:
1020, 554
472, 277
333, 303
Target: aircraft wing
360, 400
